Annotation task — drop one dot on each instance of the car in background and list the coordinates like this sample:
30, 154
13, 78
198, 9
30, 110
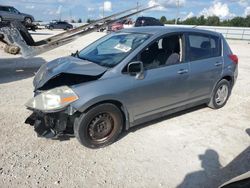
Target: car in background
9, 13
147, 21
59, 25
120, 25
116, 26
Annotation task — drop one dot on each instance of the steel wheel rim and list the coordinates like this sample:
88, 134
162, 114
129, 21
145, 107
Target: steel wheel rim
28, 20
221, 95
101, 127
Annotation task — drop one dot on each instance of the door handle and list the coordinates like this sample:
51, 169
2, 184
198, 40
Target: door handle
217, 64
182, 71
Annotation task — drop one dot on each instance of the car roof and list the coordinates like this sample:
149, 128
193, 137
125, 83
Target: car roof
154, 30
145, 17
5, 6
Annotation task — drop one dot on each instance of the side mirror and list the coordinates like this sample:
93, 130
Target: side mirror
136, 68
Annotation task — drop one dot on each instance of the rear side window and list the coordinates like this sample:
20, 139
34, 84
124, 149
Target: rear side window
202, 46
5, 9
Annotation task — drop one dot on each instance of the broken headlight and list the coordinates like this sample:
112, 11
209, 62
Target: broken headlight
53, 99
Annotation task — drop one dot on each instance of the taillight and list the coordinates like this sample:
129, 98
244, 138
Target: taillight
234, 58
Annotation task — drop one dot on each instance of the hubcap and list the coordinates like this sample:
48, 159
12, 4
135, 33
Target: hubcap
101, 127
221, 95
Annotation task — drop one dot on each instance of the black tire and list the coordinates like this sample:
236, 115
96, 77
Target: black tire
216, 102
51, 27
1, 19
100, 126
28, 20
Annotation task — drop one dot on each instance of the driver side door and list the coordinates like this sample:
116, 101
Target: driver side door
163, 87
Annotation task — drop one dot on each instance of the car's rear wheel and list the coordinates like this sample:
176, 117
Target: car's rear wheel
220, 94
51, 27
100, 126
67, 28
28, 20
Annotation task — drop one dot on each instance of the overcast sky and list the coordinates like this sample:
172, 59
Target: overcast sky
54, 9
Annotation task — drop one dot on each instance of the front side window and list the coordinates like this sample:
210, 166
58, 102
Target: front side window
13, 10
203, 46
163, 52
113, 48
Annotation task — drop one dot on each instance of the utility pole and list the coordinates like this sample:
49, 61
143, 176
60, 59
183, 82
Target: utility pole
137, 8
70, 15
177, 11
103, 10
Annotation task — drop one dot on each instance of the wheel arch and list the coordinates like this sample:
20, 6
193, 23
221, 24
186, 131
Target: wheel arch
28, 17
229, 79
118, 104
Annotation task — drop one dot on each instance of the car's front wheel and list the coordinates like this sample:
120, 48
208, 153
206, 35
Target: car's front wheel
1, 19
28, 20
100, 126
220, 94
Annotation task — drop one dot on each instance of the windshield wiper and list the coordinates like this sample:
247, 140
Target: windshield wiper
76, 54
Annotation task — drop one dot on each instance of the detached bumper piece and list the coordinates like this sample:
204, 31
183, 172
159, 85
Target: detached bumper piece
49, 125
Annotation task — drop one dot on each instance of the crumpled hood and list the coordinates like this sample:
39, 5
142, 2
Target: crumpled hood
70, 65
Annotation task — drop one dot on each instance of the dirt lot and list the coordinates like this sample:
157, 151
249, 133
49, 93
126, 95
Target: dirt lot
189, 149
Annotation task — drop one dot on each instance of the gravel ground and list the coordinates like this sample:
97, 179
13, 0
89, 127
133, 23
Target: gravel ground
195, 148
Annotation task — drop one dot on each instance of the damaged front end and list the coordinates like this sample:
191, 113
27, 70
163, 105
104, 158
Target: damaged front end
51, 125
53, 114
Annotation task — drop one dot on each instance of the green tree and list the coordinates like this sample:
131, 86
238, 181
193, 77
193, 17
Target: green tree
237, 22
247, 21
191, 21
170, 21
201, 20
225, 23
213, 21
90, 21
163, 20
79, 20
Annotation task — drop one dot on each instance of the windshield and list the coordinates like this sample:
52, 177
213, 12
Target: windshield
113, 48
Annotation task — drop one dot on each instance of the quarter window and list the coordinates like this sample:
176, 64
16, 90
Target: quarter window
203, 46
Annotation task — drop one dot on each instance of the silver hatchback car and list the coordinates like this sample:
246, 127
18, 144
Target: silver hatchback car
128, 78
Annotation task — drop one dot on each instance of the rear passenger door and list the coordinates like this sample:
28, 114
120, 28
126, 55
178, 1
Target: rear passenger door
203, 53
13, 14
5, 13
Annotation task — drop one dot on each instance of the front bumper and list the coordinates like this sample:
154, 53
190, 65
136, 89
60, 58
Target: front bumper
50, 125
